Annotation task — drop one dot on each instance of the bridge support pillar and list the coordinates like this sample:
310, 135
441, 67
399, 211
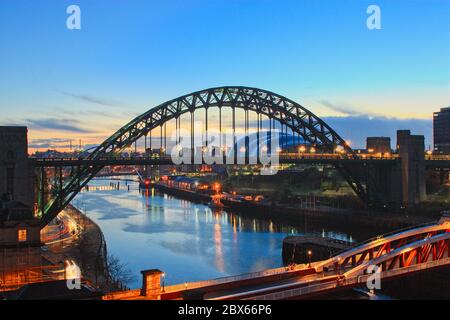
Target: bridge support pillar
411, 149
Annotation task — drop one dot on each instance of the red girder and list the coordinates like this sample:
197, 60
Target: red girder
411, 255
426, 253
443, 245
417, 256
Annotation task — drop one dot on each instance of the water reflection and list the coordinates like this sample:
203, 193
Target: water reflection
188, 241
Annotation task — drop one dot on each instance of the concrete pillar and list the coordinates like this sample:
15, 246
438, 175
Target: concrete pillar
151, 283
411, 149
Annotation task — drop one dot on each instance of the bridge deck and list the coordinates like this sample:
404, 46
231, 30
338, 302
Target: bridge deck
304, 280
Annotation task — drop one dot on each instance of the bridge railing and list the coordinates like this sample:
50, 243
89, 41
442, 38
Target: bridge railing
438, 157
334, 156
336, 282
222, 280
383, 236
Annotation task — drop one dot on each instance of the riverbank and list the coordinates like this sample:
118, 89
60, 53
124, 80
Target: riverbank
361, 223
86, 248
183, 194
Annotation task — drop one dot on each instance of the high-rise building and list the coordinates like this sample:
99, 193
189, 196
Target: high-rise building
441, 131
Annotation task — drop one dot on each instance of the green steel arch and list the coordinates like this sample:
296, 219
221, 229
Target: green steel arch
291, 114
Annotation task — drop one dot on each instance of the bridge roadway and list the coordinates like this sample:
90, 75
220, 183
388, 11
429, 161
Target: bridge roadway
397, 254
430, 161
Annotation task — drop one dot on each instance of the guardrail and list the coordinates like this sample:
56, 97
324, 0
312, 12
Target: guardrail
344, 282
245, 276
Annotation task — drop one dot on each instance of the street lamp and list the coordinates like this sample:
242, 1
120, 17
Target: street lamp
309, 258
338, 269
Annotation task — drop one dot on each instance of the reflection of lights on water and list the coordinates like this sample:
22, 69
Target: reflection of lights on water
218, 246
270, 226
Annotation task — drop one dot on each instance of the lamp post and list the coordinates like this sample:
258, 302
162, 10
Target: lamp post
309, 258
338, 268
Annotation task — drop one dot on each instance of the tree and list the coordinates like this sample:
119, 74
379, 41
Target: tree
118, 271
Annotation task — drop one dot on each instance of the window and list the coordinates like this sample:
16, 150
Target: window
22, 235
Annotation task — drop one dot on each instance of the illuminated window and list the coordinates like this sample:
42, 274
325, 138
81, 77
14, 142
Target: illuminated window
22, 235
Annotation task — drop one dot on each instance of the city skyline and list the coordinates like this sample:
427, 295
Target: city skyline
127, 59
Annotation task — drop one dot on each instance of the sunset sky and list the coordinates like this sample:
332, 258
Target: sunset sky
132, 55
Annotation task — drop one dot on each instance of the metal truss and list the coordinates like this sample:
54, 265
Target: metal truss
287, 112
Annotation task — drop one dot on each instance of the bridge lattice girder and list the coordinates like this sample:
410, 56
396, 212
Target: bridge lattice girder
431, 248
291, 114
388, 250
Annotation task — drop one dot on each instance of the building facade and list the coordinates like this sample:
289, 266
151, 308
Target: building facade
441, 131
381, 145
16, 171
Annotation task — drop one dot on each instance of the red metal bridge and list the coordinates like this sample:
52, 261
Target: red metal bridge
392, 255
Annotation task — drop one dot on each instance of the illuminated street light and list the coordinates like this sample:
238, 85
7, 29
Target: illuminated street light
302, 149
339, 149
309, 258
312, 150
338, 268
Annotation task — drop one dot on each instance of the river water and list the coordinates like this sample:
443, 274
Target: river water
188, 241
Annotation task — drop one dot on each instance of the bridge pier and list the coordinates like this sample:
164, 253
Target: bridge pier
411, 149
404, 183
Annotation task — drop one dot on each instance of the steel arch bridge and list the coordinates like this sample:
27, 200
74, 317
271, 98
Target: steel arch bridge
288, 113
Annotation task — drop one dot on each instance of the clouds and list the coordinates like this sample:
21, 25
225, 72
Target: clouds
68, 125
50, 143
92, 99
346, 110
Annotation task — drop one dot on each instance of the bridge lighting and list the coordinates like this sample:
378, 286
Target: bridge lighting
339, 149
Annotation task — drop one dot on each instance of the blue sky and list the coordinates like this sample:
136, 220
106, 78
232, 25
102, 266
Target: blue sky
132, 55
